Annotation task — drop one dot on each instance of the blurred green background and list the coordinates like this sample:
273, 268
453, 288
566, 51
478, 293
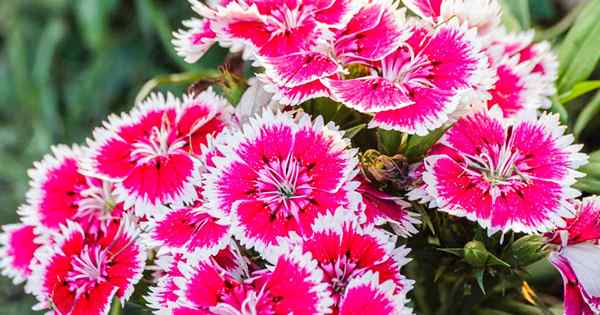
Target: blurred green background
66, 64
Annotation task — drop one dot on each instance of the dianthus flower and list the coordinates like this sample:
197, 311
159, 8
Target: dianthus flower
151, 154
80, 274
506, 176
276, 174
17, 247
578, 256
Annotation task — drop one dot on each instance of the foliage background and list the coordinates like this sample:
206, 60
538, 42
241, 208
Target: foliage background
66, 64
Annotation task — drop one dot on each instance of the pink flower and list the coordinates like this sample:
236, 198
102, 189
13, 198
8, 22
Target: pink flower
17, 247
189, 230
422, 82
577, 258
382, 208
345, 252
291, 286
506, 176
81, 274
97, 207
372, 33
367, 293
194, 41
526, 73
485, 15
55, 189
151, 153
277, 174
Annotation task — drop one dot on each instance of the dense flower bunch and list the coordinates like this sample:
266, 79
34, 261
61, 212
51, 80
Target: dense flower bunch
263, 208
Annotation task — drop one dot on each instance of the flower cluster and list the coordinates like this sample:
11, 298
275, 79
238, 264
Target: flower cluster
262, 208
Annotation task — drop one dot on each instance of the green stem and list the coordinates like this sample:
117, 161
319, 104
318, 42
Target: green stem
176, 78
115, 308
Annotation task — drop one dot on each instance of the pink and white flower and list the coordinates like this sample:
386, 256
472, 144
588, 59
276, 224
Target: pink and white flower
414, 92
292, 286
277, 174
81, 275
577, 258
382, 208
506, 176
97, 208
17, 247
367, 293
485, 15
345, 251
189, 230
55, 189
151, 153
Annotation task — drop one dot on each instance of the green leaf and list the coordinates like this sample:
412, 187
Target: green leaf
588, 184
116, 308
578, 53
520, 12
479, 278
559, 109
591, 169
419, 145
590, 111
579, 89
562, 26
389, 141
594, 157
353, 131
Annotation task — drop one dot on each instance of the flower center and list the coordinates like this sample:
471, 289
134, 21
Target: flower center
160, 142
97, 203
284, 186
339, 272
408, 70
499, 170
88, 269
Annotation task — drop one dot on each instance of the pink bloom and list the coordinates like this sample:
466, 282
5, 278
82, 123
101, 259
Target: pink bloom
56, 187
577, 258
526, 72
271, 29
277, 174
193, 42
485, 15
367, 293
578, 265
382, 208
81, 275
292, 286
345, 252
190, 230
17, 248
97, 207
151, 153
414, 92
506, 176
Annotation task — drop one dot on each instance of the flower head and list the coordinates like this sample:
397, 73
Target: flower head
506, 176
151, 153
17, 247
346, 251
81, 274
277, 174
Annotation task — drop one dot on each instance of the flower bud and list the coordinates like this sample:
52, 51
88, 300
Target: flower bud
478, 256
527, 250
388, 171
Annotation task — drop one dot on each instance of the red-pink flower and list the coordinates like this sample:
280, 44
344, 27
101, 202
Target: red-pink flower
189, 230
345, 251
372, 33
151, 153
483, 14
277, 174
291, 286
526, 73
194, 41
577, 258
55, 189
366, 293
506, 176
80, 274
17, 247
382, 208
417, 86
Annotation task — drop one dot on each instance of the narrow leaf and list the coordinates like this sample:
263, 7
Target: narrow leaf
579, 89
587, 114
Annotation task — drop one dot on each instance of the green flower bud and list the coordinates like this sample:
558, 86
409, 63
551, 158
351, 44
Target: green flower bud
527, 250
478, 256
